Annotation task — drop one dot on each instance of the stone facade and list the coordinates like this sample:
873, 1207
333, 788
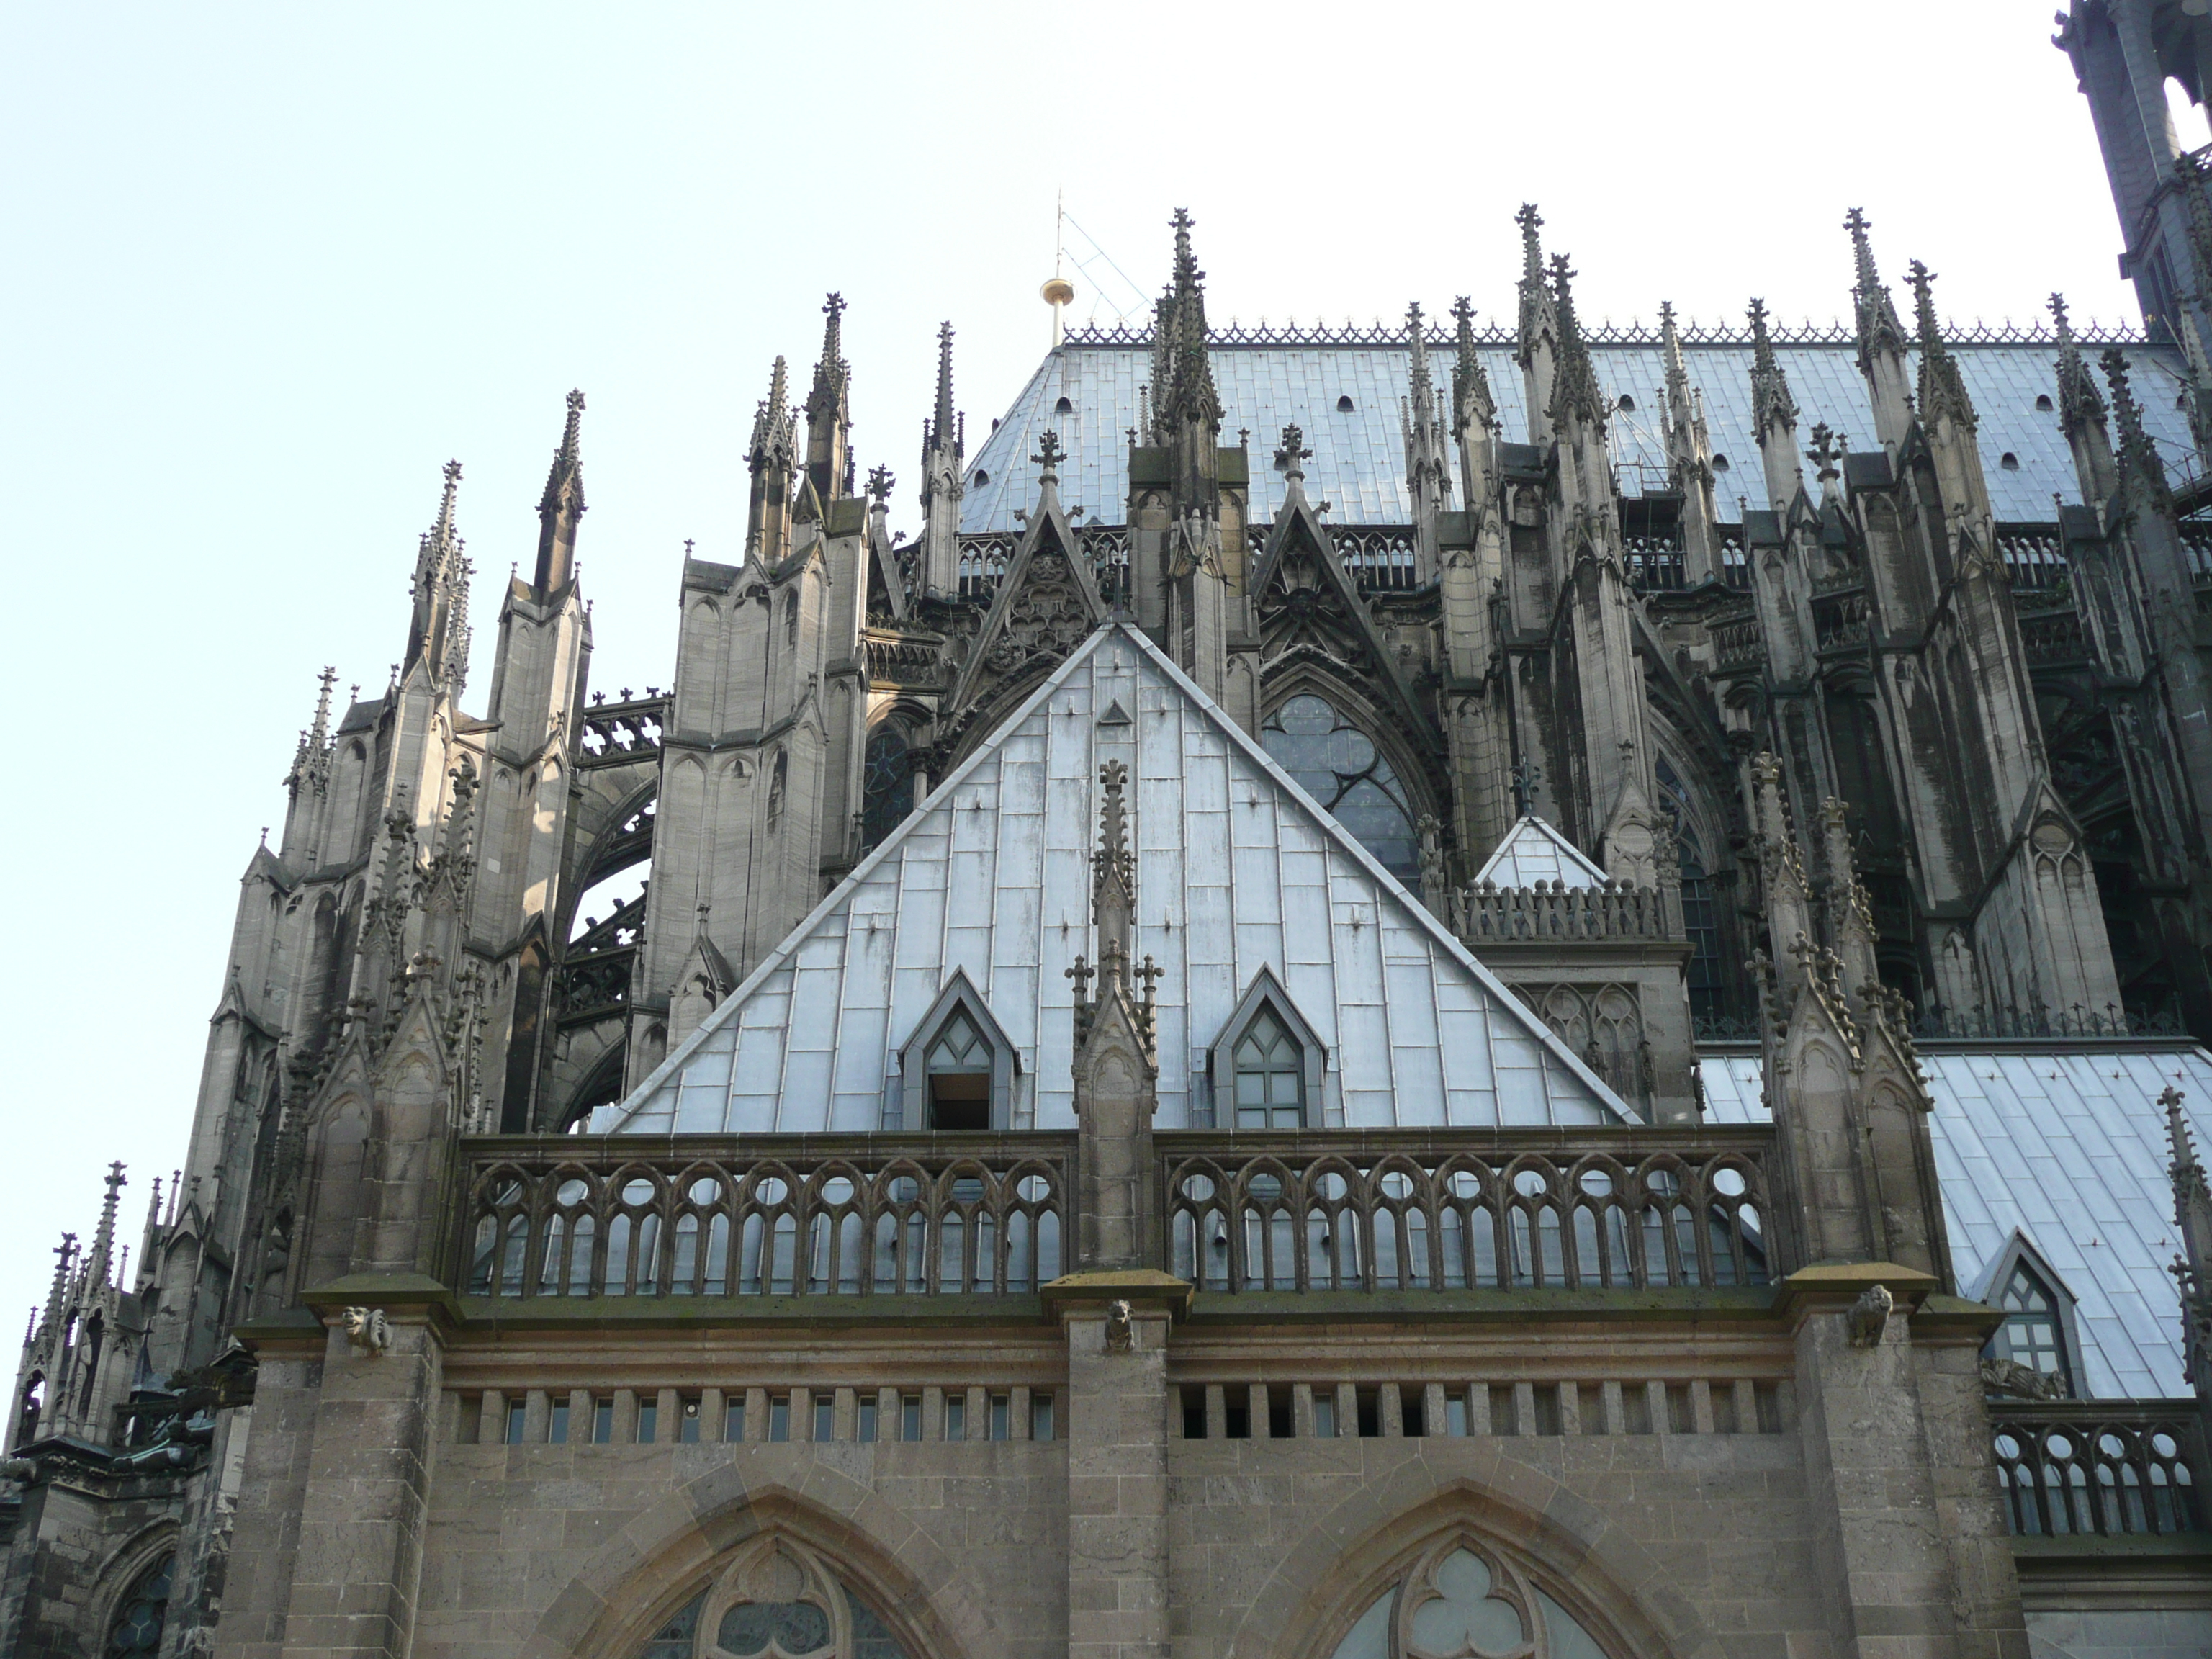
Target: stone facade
458, 1334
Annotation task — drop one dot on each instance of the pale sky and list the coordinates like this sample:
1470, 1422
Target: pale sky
268, 267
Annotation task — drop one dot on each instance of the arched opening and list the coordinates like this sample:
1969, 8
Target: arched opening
2033, 1335
777, 1598
1460, 1598
956, 1071
1343, 768
144, 1612
886, 784
959, 1062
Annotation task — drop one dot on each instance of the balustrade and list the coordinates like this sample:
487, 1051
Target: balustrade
1293, 1212
2097, 1469
775, 1216
1486, 914
617, 732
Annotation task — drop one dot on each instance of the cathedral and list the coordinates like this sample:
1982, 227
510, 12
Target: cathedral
1485, 987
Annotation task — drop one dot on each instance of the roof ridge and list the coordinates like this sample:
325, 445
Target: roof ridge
1634, 332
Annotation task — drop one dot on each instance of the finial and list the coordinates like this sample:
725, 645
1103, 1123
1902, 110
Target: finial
1858, 224
1048, 457
1293, 452
1526, 775
1923, 280
1827, 448
879, 485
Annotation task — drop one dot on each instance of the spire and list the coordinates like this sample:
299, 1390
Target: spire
1428, 460
1575, 390
319, 735
942, 485
561, 505
2082, 414
1773, 415
438, 635
1191, 397
1851, 913
1535, 300
1114, 868
771, 457
1789, 910
1881, 338
1689, 456
57, 1294
1942, 391
2138, 458
103, 1235
1473, 406
830, 409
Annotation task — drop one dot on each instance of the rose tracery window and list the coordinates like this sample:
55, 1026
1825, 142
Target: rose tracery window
1338, 765
777, 1601
1460, 1602
886, 787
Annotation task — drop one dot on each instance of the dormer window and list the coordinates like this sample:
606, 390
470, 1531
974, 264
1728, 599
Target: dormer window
960, 1076
1268, 1063
1270, 1073
958, 1071
2031, 1334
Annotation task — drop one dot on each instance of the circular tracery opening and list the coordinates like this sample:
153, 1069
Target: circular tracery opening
1339, 766
777, 1601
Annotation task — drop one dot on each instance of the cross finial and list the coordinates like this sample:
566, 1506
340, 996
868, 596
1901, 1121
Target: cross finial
879, 485
1414, 316
1293, 452
688, 545
1050, 455
833, 305
1082, 973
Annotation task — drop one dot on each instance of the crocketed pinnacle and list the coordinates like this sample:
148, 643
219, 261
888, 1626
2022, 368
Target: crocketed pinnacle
1879, 331
1473, 406
2080, 402
564, 481
772, 442
1772, 405
941, 425
2137, 455
1189, 394
1535, 297
1575, 390
1942, 389
833, 375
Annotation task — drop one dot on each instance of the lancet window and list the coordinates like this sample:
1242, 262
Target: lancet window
1700, 917
1340, 767
778, 1601
960, 1076
1270, 1076
1461, 1601
887, 784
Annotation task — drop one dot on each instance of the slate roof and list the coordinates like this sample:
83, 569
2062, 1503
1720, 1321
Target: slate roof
1359, 459
2071, 1150
1236, 869
1533, 850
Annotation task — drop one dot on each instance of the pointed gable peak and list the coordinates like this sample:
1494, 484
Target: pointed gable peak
1017, 819
771, 446
833, 375
1534, 851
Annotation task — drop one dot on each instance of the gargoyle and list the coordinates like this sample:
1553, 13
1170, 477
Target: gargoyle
1867, 1317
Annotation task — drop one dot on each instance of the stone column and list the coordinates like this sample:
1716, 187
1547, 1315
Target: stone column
1117, 1486
360, 1550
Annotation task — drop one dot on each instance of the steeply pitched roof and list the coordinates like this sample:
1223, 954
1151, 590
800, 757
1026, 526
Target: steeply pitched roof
1359, 460
1238, 868
1532, 851
2071, 1150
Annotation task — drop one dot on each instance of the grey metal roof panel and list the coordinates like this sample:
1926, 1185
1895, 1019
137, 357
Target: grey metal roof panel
1358, 461
2069, 1150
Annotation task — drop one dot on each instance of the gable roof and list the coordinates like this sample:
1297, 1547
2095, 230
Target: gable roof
2070, 1150
1238, 868
1532, 851
1359, 455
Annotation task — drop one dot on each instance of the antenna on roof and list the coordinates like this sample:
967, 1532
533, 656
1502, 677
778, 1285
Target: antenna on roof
1058, 293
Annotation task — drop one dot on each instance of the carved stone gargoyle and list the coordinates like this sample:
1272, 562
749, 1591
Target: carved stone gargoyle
1866, 1318
365, 1330
2015, 1381
1120, 1332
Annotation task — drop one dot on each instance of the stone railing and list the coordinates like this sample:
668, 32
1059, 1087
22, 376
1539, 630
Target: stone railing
2099, 1469
771, 1215
613, 732
1486, 914
1415, 1211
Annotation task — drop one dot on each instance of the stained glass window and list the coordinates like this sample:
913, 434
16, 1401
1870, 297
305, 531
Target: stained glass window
778, 1602
144, 1612
1339, 766
2031, 1335
1270, 1076
887, 784
1457, 1603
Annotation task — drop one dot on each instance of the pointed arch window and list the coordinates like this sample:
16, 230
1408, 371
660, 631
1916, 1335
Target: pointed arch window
1463, 1600
143, 1613
958, 1070
2037, 1331
1342, 768
887, 784
777, 1598
1267, 1064
1700, 917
